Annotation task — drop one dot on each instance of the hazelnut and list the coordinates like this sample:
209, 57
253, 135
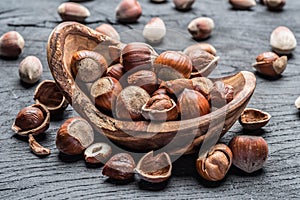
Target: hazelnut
158, 1
283, 40
11, 44
203, 46
221, 94
242, 4
48, 94
70, 11
214, 164
183, 4
74, 136
160, 107
171, 65
253, 119
201, 28
119, 167
114, 52
116, 71
105, 92
274, 4
145, 79
97, 153
88, 66
154, 169
136, 56
36, 148
128, 11
270, 64
34, 119
249, 152
30, 70
130, 102
203, 62
203, 85
297, 103
108, 30
159, 91
177, 86
192, 104
155, 30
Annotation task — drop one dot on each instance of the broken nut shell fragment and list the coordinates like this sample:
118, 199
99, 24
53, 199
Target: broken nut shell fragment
253, 119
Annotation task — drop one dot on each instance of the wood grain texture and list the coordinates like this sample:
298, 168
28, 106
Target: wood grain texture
239, 37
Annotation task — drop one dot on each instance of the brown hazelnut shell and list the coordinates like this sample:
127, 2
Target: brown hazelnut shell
11, 44
116, 71
253, 119
145, 79
128, 11
44, 125
177, 86
48, 94
203, 46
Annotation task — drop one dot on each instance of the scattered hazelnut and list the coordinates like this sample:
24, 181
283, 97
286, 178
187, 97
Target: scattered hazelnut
128, 11
160, 107
192, 104
136, 56
116, 71
74, 136
108, 30
130, 102
283, 40
274, 4
158, 1
253, 119
154, 169
270, 64
177, 86
155, 30
242, 4
105, 91
214, 164
70, 11
97, 153
171, 65
203, 46
48, 94
221, 94
145, 79
88, 66
11, 44
297, 103
249, 152
201, 28
36, 148
183, 4
30, 70
34, 119
119, 167
203, 85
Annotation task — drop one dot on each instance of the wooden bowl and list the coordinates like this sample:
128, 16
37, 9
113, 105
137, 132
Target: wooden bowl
175, 137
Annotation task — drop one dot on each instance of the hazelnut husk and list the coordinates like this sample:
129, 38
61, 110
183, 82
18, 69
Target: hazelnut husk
88, 66
253, 119
203, 85
201, 28
104, 92
119, 167
145, 79
192, 104
108, 30
177, 86
70, 11
221, 94
282, 40
11, 44
202, 46
160, 108
171, 65
115, 71
270, 64
249, 152
74, 136
137, 56
48, 94
214, 164
154, 169
34, 119
97, 153
129, 103
128, 11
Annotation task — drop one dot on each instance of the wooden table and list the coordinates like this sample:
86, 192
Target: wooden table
239, 37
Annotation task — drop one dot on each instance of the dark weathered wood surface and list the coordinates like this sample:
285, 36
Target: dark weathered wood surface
239, 36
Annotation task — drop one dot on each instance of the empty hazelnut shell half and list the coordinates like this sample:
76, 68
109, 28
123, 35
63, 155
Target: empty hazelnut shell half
34, 119
154, 169
97, 153
253, 119
74, 136
214, 164
48, 94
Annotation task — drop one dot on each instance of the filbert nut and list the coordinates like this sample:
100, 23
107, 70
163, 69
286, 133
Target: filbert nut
274, 4
155, 30
242, 4
71, 11
297, 103
201, 28
128, 11
282, 40
145, 79
203, 46
108, 30
30, 70
183, 4
116, 71
11, 44
97, 153
249, 152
